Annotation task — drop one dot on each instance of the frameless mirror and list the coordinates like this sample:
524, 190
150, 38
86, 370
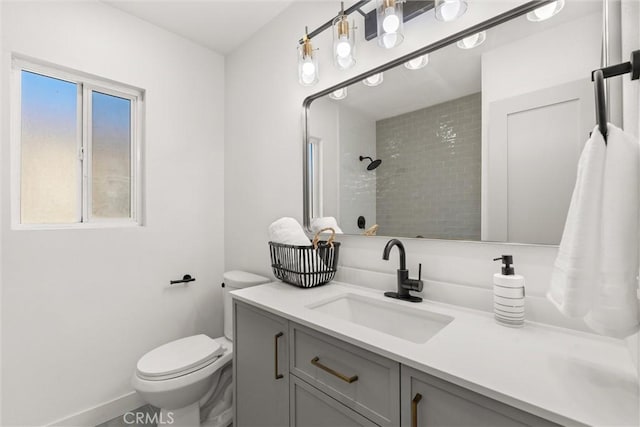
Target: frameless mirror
479, 140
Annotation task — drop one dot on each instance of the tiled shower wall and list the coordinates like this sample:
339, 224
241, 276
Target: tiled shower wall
429, 182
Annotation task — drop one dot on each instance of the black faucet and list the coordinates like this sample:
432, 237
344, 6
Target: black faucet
404, 283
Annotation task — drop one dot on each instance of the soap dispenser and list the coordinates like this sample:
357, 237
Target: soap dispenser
508, 294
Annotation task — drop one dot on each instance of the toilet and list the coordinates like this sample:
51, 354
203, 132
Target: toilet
193, 373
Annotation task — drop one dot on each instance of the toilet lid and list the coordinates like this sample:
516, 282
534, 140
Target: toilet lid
180, 356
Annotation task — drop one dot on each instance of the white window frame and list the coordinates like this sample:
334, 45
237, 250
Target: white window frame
86, 84
316, 166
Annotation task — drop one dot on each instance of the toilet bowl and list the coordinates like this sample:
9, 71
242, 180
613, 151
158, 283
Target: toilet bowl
181, 376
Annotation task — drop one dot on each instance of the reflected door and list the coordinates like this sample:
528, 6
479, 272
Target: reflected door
535, 141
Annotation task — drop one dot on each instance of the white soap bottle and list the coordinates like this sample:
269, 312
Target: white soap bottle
508, 295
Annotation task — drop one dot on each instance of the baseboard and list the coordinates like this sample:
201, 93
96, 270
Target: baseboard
103, 412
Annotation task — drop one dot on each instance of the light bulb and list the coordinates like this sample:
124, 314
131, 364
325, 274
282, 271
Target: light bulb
472, 41
343, 47
389, 40
308, 68
345, 63
545, 12
449, 10
339, 93
391, 22
307, 78
417, 63
374, 80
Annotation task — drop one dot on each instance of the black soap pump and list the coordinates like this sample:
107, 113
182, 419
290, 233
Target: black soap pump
507, 265
508, 294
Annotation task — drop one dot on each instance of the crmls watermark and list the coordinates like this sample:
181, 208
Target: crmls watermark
155, 418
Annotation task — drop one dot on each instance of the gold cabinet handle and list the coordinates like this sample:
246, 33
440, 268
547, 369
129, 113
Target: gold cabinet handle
316, 362
414, 409
275, 347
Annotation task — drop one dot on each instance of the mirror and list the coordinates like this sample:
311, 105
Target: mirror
481, 143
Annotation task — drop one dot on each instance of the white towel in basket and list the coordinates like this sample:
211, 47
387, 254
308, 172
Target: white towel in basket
289, 232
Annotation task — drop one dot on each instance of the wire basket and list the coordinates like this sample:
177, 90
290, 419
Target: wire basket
306, 266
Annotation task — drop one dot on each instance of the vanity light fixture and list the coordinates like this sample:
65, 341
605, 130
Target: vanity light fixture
374, 80
450, 10
339, 93
472, 41
417, 63
343, 41
390, 23
307, 63
545, 12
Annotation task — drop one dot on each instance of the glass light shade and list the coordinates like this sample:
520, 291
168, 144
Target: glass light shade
307, 65
417, 63
390, 23
374, 80
343, 43
472, 41
339, 93
545, 12
450, 10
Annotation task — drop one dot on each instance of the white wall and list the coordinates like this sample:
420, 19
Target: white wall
630, 28
2, 125
263, 178
263, 144
348, 188
325, 127
79, 307
357, 137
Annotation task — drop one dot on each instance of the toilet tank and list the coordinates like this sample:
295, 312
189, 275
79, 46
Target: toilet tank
236, 280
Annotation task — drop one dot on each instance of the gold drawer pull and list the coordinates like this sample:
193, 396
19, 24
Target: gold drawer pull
414, 409
316, 362
275, 346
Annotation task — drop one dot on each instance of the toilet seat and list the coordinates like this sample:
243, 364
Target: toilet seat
178, 358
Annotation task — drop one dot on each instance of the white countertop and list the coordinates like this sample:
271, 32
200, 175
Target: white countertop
565, 376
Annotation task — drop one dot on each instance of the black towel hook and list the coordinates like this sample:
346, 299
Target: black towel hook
601, 103
597, 76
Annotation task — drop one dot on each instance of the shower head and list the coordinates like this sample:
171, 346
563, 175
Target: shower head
373, 163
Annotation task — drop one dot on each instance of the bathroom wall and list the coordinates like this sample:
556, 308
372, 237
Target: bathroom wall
2, 125
271, 99
357, 186
630, 28
429, 184
79, 307
271, 149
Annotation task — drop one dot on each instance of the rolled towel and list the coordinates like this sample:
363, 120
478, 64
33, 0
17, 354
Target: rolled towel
318, 224
288, 231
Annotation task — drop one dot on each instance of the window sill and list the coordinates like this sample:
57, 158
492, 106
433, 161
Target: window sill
80, 226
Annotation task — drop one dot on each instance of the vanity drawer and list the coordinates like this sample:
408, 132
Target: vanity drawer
364, 381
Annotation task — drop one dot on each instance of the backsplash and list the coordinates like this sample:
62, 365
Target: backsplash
432, 169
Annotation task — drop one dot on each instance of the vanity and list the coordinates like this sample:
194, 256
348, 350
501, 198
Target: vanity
344, 355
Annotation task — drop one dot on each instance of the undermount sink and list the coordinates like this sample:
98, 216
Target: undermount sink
408, 323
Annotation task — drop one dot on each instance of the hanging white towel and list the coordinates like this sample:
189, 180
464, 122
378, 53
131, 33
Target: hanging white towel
615, 301
288, 231
318, 224
594, 275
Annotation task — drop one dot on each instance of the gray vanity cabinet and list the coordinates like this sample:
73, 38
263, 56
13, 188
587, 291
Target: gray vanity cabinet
359, 379
311, 407
260, 368
288, 375
429, 401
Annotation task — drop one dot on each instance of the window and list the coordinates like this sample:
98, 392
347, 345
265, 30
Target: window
76, 150
315, 169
